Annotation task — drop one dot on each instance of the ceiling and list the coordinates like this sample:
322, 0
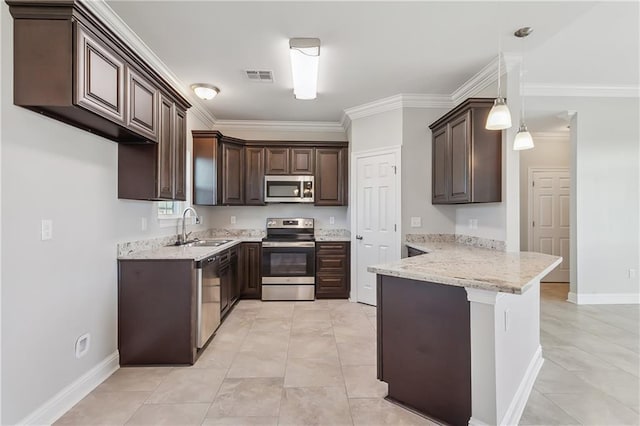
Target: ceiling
372, 50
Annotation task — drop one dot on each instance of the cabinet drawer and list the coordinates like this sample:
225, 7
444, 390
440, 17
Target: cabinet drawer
330, 282
331, 264
332, 248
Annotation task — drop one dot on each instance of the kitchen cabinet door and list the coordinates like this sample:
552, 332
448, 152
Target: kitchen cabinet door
250, 273
460, 144
180, 154
276, 161
165, 150
142, 112
331, 177
301, 161
100, 82
254, 176
232, 173
440, 169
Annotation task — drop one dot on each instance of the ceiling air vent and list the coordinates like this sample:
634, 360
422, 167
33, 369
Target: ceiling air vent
262, 76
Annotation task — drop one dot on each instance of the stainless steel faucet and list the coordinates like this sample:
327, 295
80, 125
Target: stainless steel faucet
182, 238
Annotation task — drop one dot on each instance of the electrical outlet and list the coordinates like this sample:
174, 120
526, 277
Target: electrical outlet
233, 220
82, 345
416, 222
473, 223
143, 223
632, 273
46, 229
332, 220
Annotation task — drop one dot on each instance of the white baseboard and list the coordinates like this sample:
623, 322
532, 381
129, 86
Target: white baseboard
62, 402
604, 298
476, 422
519, 401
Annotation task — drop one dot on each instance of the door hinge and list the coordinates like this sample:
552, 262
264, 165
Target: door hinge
533, 183
395, 170
395, 228
533, 224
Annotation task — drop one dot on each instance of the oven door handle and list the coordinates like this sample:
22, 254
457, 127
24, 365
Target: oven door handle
266, 244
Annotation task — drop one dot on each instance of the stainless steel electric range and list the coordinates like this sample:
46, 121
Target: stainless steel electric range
289, 260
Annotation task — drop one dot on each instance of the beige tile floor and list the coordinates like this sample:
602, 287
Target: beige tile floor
303, 363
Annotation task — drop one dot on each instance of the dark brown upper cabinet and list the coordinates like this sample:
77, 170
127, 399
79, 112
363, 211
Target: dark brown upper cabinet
231, 173
142, 114
289, 160
331, 177
302, 161
277, 161
249, 258
156, 171
205, 167
254, 176
69, 66
101, 77
466, 157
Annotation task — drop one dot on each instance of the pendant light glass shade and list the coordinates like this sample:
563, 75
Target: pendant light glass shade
523, 139
499, 117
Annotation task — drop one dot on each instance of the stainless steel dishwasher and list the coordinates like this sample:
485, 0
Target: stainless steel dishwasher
208, 293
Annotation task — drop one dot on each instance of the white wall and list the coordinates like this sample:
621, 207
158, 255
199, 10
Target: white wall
378, 131
252, 217
54, 291
416, 175
550, 151
607, 192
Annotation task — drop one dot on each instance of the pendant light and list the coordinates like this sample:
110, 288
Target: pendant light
499, 117
523, 139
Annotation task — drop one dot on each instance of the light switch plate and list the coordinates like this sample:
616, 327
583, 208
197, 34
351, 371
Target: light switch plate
416, 222
332, 220
46, 230
233, 220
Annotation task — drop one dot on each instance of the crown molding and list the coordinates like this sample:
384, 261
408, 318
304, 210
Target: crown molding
282, 126
568, 90
104, 12
403, 100
480, 80
537, 136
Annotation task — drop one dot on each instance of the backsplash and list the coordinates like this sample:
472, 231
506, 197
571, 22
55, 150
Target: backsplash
155, 243
460, 239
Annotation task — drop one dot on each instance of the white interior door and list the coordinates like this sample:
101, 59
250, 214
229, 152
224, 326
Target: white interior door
376, 219
549, 224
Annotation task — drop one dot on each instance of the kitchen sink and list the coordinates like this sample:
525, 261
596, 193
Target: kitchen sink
204, 243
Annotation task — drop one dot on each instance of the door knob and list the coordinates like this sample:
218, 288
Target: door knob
358, 237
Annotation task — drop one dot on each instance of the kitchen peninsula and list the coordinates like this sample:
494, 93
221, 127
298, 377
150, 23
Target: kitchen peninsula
459, 331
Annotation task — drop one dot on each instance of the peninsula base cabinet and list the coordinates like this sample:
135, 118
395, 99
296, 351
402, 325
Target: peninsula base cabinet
333, 270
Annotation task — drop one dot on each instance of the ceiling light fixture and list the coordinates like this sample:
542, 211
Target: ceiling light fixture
205, 91
523, 139
499, 117
305, 59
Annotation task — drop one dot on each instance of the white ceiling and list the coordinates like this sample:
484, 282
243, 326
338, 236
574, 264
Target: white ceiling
371, 50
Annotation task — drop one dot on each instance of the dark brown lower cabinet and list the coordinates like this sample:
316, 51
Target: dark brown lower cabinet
424, 347
249, 261
156, 312
333, 270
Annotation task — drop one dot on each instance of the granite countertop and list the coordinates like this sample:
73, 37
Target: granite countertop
467, 266
183, 252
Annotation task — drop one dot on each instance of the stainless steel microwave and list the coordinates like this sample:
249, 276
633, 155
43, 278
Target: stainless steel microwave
288, 189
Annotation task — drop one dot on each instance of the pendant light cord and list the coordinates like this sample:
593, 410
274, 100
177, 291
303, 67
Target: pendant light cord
499, 65
522, 82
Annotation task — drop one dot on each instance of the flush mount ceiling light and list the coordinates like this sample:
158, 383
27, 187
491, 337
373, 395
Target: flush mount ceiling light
205, 91
499, 117
523, 139
305, 59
